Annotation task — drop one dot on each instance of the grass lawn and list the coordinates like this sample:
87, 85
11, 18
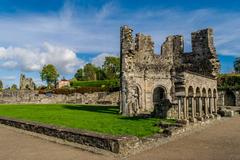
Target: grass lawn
103, 119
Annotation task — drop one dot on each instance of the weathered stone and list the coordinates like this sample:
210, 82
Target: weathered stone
28, 96
166, 84
26, 83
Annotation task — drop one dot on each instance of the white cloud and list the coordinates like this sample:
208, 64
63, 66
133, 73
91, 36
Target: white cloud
96, 30
7, 78
33, 59
99, 60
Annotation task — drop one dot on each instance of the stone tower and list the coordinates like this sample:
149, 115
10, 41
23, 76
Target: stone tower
26, 83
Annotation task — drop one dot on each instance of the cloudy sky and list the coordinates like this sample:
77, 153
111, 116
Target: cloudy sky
70, 33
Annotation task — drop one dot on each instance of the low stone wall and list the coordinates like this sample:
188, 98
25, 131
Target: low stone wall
123, 145
228, 98
18, 97
114, 144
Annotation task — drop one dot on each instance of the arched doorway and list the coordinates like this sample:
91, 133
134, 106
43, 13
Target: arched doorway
159, 97
229, 98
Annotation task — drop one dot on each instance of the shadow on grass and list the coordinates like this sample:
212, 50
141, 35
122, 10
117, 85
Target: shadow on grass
106, 109
94, 108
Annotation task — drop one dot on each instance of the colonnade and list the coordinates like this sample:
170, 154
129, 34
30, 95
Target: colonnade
198, 107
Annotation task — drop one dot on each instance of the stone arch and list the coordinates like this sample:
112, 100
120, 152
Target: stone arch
214, 93
190, 100
198, 92
159, 101
204, 92
229, 98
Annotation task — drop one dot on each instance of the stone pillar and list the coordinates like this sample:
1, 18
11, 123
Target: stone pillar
179, 107
186, 107
211, 104
200, 106
214, 104
193, 107
206, 106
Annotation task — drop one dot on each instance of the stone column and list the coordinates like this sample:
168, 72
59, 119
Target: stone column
200, 106
210, 105
185, 110
206, 106
179, 107
193, 107
214, 104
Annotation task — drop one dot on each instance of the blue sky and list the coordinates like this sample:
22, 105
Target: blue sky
70, 33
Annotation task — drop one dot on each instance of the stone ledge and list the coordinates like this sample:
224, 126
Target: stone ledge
115, 144
122, 145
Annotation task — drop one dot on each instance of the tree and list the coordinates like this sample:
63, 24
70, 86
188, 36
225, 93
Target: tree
90, 72
14, 87
49, 74
237, 65
79, 74
111, 67
1, 85
100, 74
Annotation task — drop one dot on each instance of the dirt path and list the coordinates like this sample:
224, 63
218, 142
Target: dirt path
220, 142
15, 145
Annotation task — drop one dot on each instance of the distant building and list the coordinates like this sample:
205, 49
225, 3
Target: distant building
63, 83
26, 83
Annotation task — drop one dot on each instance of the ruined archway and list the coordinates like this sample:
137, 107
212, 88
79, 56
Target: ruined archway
159, 102
229, 98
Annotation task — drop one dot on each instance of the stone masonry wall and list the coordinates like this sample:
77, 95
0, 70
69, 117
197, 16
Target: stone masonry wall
18, 97
150, 80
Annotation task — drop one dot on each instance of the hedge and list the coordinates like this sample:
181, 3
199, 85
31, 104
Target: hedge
98, 83
228, 81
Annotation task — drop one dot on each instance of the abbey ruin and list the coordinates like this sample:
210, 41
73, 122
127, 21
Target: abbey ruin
173, 84
26, 83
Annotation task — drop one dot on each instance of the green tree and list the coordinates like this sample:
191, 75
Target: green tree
237, 65
1, 85
89, 71
111, 67
100, 74
79, 74
14, 87
49, 74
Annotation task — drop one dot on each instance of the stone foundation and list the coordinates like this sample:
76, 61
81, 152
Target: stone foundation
25, 97
123, 145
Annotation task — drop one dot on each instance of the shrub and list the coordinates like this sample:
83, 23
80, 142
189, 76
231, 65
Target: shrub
228, 81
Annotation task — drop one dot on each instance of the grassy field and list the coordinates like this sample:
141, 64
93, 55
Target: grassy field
103, 119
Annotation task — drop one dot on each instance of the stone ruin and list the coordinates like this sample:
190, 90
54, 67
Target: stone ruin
26, 83
173, 84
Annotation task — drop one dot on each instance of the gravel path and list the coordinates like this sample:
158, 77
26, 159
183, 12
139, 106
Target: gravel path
220, 142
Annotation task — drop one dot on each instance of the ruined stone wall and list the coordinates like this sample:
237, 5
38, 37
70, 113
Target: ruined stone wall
225, 96
26, 83
203, 58
142, 71
25, 97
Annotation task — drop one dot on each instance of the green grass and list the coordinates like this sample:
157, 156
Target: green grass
102, 119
